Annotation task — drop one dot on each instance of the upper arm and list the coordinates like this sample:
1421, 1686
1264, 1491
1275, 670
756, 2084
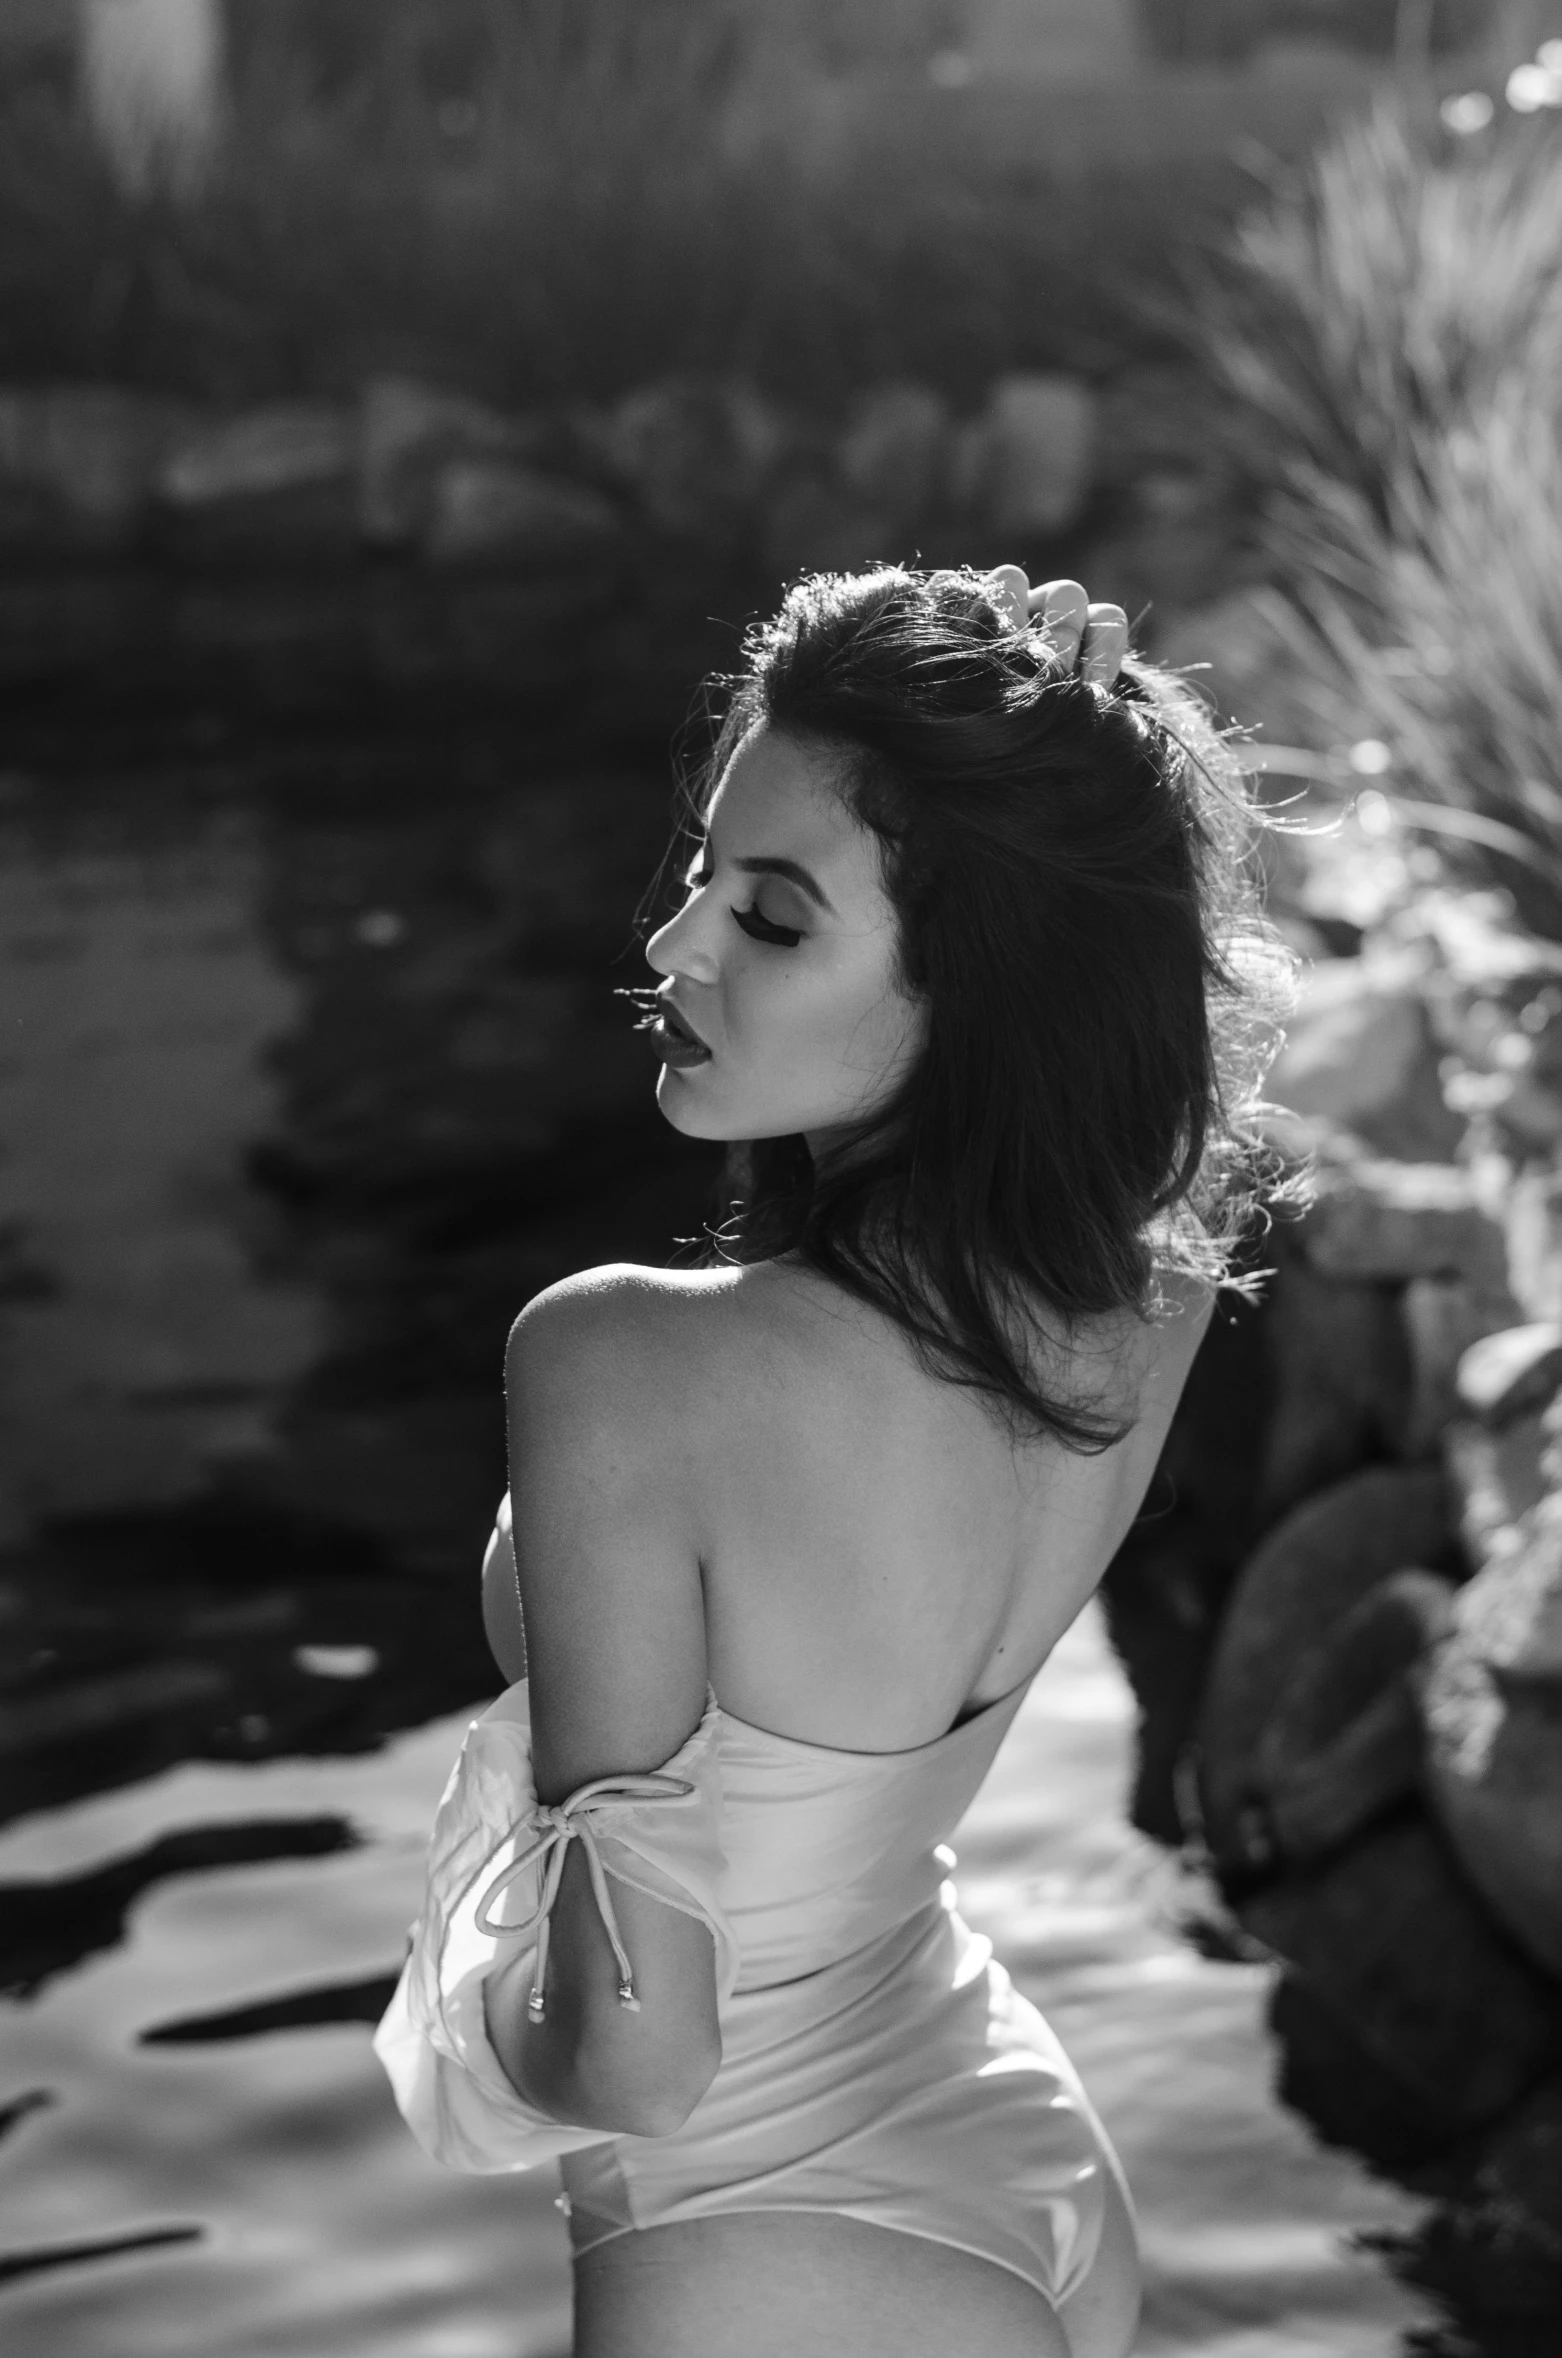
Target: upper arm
609, 1582
606, 1562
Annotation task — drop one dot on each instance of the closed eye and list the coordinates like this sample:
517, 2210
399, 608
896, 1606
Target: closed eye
751, 920
762, 929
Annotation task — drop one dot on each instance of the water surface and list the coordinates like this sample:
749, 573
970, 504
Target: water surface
312, 2224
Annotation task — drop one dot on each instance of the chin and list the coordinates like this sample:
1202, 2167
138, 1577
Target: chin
686, 1108
679, 1105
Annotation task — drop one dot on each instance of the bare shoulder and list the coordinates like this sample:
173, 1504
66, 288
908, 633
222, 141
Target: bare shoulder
617, 1304
619, 1348
622, 1325
605, 1521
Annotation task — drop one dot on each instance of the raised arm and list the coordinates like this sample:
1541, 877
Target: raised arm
610, 1591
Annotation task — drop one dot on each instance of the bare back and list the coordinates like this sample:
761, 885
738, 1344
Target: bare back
878, 1557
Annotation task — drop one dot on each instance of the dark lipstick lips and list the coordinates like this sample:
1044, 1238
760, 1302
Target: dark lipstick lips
675, 1039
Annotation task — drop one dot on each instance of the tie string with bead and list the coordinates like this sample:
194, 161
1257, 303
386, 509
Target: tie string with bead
571, 1821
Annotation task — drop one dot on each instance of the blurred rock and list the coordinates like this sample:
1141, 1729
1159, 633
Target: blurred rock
895, 450
1162, 1597
1524, 2161
1172, 553
1495, 2265
1166, 1587
1445, 1317
1517, 2223
1024, 465
695, 452
1360, 1055
496, 511
1504, 1002
1508, 1372
1510, 1618
814, 524
1409, 2020
1527, 1116
273, 484
1494, 1478
1339, 1375
1243, 650
1491, 1703
1393, 1221
1297, 1585
1211, 1457
406, 432
1534, 1233
1344, 2087
77, 463
1344, 1744
271, 449
1156, 414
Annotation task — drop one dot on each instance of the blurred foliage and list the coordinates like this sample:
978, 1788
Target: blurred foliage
1233, 29
563, 198
452, 47
1382, 300
1393, 321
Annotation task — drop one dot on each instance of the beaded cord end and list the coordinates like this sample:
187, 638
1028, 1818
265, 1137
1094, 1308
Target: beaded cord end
555, 1829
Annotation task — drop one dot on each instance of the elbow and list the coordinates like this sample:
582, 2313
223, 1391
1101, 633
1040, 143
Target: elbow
622, 2095
663, 2108
589, 2074
653, 2103
655, 2115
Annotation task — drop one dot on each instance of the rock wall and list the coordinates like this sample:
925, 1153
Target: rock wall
443, 480
1346, 1626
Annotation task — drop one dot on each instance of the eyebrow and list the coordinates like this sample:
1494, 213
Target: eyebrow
794, 873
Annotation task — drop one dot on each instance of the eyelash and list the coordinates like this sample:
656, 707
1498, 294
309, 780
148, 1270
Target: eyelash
758, 927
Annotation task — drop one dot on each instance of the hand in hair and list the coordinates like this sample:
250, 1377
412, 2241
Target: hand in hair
1092, 639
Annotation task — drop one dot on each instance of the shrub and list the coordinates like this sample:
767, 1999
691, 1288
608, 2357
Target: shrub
1381, 302
596, 194
1394, 321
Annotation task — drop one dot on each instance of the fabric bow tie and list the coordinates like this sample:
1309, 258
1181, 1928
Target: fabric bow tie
555, 1828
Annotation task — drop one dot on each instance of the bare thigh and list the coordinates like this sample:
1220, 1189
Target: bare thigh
781, 2284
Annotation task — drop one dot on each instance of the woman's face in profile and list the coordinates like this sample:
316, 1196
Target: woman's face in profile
782, 1012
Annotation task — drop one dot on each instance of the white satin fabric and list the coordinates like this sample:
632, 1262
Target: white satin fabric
876, 2060
493, 1867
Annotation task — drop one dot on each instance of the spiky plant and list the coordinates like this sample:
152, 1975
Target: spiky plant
1381, 300
1394, 321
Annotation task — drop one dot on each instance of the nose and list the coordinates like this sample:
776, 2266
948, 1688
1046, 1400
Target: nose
684, 945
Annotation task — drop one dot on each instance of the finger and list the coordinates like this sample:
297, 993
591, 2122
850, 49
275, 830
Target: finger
1104, 645
1062, 608
1012, 587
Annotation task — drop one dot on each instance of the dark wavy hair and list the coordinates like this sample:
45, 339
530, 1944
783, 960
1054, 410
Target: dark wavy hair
1070, 869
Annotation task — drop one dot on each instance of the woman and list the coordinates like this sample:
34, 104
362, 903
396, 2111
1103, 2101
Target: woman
968, 974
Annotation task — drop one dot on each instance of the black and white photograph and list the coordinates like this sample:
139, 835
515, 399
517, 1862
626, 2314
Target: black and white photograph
780, 1178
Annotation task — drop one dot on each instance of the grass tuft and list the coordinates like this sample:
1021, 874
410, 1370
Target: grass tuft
1394, 324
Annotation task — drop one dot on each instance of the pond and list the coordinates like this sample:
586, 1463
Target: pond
313, 1074
218, 2166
